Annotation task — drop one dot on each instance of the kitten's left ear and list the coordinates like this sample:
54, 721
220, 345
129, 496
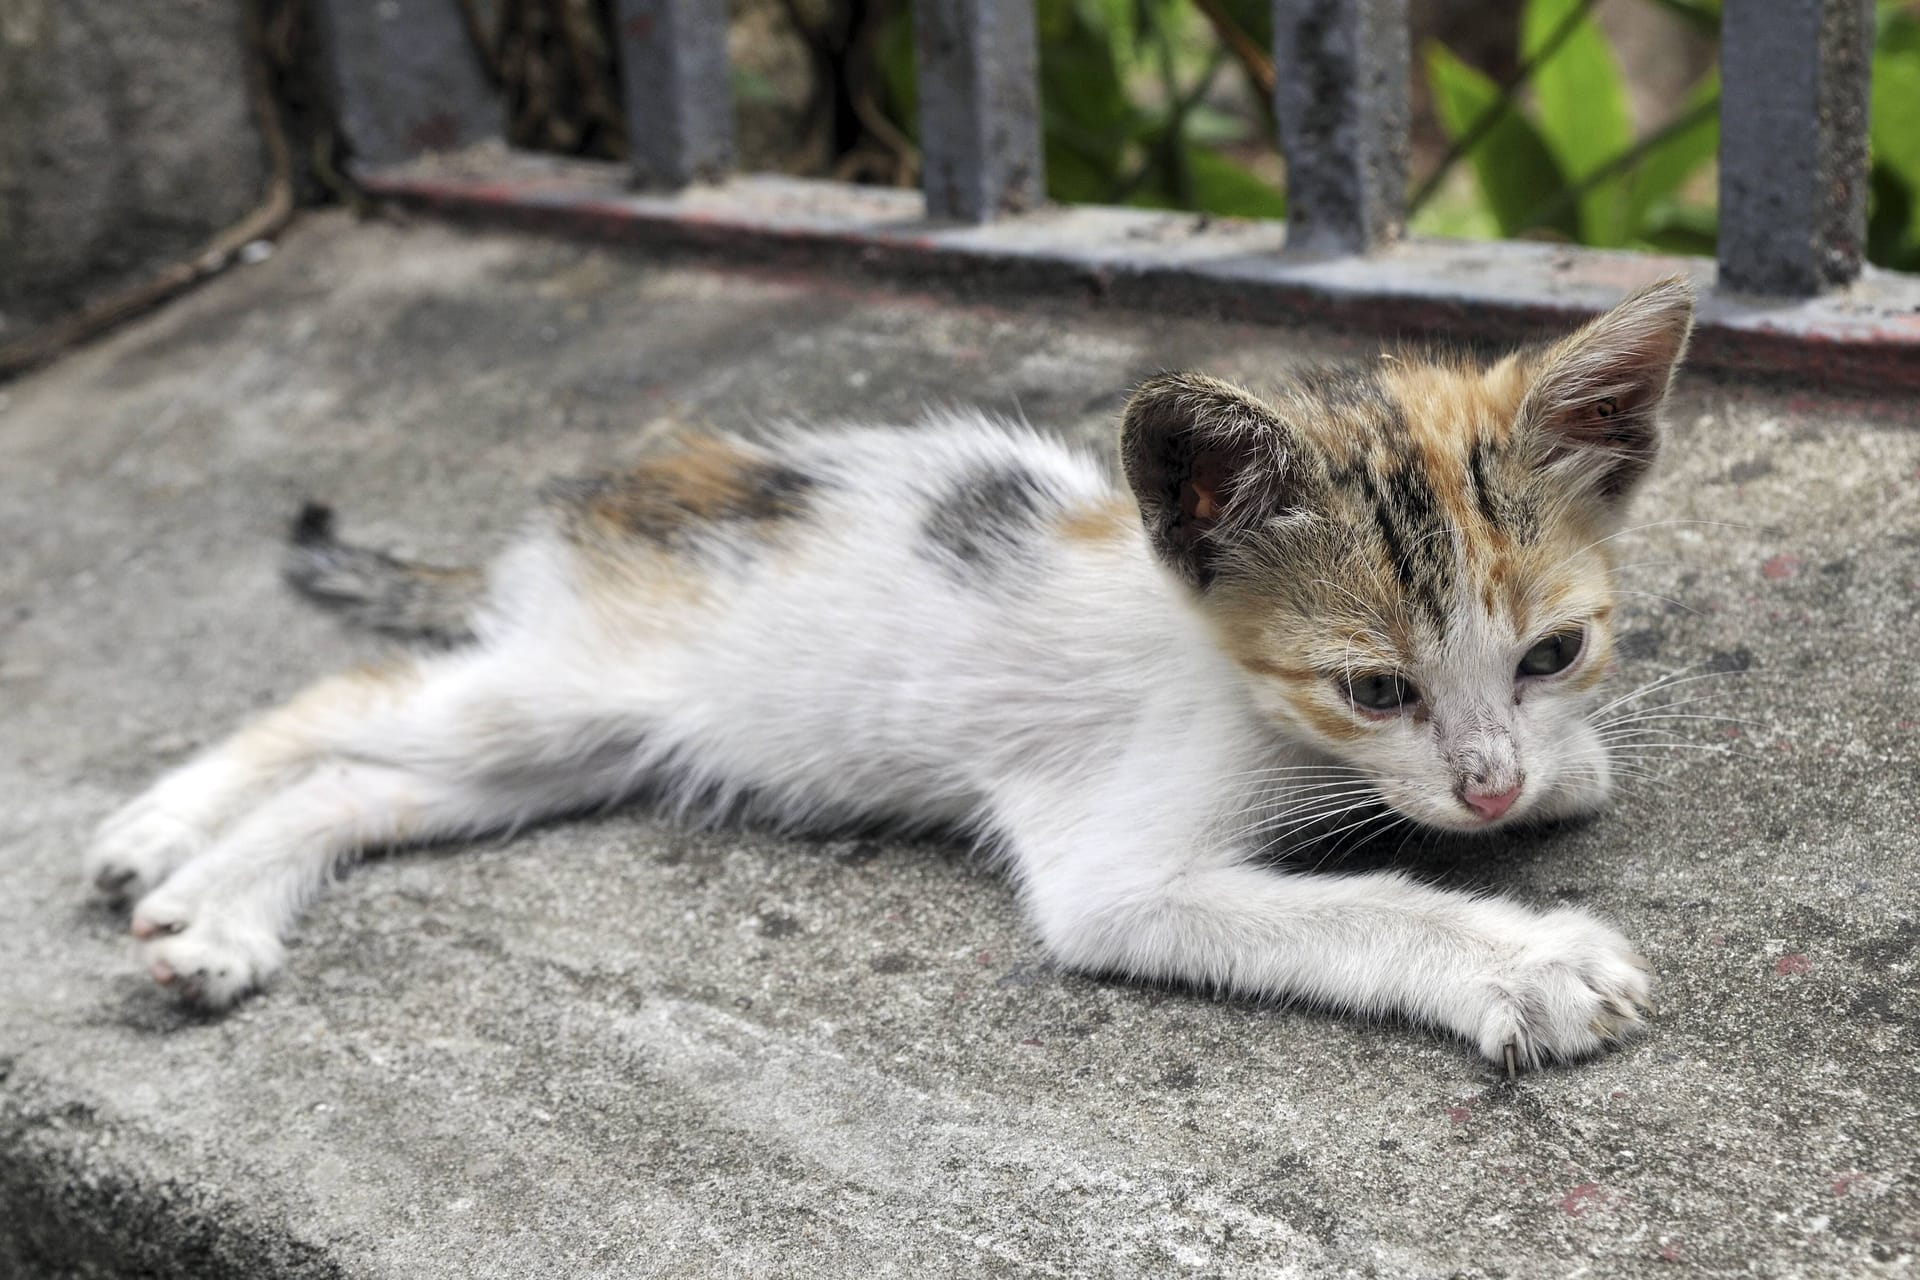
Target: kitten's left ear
1206, 460
1594, 408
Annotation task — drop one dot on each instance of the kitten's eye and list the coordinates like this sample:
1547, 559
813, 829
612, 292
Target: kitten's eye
1381, 691
1555, 653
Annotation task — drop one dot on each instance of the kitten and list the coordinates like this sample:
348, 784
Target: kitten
1384, 591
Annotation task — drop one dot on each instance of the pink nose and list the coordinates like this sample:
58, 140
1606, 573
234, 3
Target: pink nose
1490, 805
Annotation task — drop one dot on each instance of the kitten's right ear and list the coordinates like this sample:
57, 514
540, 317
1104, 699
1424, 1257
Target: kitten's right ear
1205, 459
1594, 408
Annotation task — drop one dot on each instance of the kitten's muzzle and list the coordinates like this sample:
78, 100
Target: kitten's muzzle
1489, 805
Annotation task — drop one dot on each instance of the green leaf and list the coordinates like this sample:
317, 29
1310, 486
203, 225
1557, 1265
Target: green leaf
1666, 168
1516, 172
1221, 186
1083, 95
1892, 133
1672, 228
1076, 178
1890, 240
893, 51
750, 86
1255, 17
1207, 125
1583, 112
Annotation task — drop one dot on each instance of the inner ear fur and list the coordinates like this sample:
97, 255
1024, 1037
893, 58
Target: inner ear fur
1205, 459
1594, 407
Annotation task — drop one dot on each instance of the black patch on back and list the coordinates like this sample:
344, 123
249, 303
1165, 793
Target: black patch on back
774, 491
988, 518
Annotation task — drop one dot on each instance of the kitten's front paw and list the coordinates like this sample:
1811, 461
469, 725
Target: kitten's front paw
201, 953
1575, 988
140, 846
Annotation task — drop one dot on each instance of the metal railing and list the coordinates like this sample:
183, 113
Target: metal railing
1794, 102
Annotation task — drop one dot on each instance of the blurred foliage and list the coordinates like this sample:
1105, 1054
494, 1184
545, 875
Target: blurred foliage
1166, 104
1559, 158
1567, 165
1893, 224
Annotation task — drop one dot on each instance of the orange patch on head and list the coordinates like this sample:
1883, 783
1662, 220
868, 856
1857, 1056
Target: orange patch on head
1328, 723
1450, 408
1276, 670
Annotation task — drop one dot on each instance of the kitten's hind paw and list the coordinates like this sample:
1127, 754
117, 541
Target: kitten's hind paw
199, 955
1575, 989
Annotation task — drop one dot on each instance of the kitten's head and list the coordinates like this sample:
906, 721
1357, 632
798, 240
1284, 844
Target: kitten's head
1410, 562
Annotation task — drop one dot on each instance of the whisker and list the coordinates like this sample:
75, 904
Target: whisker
1640, 528
1673, 680
1655, 595
1294, 820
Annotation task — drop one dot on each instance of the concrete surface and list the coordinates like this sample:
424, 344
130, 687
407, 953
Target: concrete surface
611, 1048
125, 143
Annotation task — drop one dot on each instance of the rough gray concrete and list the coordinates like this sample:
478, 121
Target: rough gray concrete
125, 142
614, 1048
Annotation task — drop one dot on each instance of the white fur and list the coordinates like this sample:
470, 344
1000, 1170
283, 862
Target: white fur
1074, 712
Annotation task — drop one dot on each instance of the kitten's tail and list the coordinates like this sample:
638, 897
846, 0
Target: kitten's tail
375, 590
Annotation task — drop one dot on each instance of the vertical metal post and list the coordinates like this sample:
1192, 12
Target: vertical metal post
406, 77
979, 69
673, 63
1793, 143
1341, 96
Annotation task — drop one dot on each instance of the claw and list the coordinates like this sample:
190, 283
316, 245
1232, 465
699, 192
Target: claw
1513, 1069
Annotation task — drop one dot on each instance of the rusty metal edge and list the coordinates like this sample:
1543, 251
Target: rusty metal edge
1865, 340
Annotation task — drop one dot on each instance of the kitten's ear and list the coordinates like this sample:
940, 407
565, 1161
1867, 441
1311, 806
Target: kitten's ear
1594, 408
1205, 459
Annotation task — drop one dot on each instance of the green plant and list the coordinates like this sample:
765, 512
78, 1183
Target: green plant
1165, 104
1566, 165
1893, 225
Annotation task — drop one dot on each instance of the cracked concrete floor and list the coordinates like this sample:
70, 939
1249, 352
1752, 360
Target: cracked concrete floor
615, 1048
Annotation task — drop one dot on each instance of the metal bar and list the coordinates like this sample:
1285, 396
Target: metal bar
979, 69
673, 63
1793, 144
1341, 97
405, 77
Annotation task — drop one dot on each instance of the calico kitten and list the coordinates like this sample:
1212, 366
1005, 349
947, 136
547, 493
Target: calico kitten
1381, 591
